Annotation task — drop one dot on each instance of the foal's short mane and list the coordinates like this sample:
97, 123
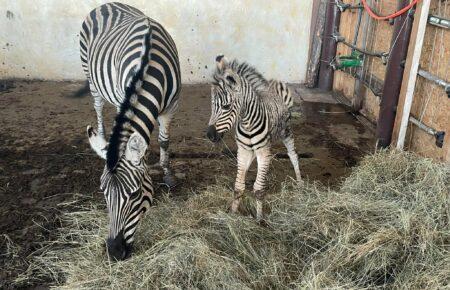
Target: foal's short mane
245, 70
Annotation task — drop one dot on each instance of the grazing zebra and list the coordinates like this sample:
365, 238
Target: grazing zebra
260, 109
131, 61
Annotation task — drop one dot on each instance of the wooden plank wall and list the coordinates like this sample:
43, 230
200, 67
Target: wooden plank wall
378, 39
430, 102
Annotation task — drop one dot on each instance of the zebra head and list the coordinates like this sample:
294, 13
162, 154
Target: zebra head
128, 192
225, 99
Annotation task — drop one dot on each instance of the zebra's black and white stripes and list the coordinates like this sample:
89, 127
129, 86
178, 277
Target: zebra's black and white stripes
128, 194
132, 62
259, 109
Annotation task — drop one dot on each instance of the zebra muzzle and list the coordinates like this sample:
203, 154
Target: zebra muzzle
213, 135
117, 248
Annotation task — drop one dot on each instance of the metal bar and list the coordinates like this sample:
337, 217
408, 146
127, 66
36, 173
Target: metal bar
358, 92
383, 55
436, 80
394, 76
329, 47
344, 6
411, 83
422, 126
438, 135
439, 21
358, 25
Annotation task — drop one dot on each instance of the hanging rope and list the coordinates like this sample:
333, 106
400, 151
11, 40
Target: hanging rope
391, 16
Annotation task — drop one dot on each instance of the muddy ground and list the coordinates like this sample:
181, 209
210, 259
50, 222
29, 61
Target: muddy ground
46, 162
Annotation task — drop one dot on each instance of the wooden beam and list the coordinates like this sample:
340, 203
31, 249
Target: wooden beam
316, 39
411, 69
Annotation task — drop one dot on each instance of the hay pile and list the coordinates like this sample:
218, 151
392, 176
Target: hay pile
387, 226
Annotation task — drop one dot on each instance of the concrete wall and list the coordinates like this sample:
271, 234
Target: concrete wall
39, 38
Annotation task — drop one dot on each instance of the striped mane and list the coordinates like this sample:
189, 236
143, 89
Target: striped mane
122, 124
245, 70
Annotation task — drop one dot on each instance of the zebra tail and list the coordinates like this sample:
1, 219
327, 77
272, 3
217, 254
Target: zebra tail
136, 81
82, 92
116, 142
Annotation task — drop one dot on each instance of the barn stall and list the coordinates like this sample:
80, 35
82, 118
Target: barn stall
326, 233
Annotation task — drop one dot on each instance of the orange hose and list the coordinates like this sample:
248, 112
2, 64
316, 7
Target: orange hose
391, 16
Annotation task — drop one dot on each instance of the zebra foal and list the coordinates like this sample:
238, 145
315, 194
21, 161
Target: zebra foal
259, 109
132, 62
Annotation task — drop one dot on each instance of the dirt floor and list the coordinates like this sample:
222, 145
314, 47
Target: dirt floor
46, 161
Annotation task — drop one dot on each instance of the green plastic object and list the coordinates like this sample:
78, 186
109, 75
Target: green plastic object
353, 60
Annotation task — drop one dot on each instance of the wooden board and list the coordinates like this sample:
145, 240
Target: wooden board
430, 104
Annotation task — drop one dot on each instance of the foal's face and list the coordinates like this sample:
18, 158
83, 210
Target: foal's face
225, 101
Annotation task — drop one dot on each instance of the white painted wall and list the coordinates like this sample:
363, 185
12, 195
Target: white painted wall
39, 38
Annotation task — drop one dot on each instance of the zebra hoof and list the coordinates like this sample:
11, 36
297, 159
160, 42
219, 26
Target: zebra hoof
234, 206
170, 180
90, 131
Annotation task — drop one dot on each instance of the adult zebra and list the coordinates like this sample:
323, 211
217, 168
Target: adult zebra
260, 109
131, 61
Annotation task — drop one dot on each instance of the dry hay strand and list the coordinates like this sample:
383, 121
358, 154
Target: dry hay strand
387, 226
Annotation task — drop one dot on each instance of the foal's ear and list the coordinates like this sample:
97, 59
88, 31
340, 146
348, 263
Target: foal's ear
136, 147
221, 62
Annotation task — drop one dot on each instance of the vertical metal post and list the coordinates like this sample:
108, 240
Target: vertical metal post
394, 77
329, 47
358, 92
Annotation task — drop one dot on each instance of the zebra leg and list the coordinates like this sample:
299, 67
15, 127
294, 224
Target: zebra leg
244, 160
288, 141
97, 137
263, 158
97, 142
98, 106
163, 140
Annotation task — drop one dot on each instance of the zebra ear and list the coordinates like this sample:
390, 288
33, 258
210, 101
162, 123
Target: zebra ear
221, 62
136, 147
